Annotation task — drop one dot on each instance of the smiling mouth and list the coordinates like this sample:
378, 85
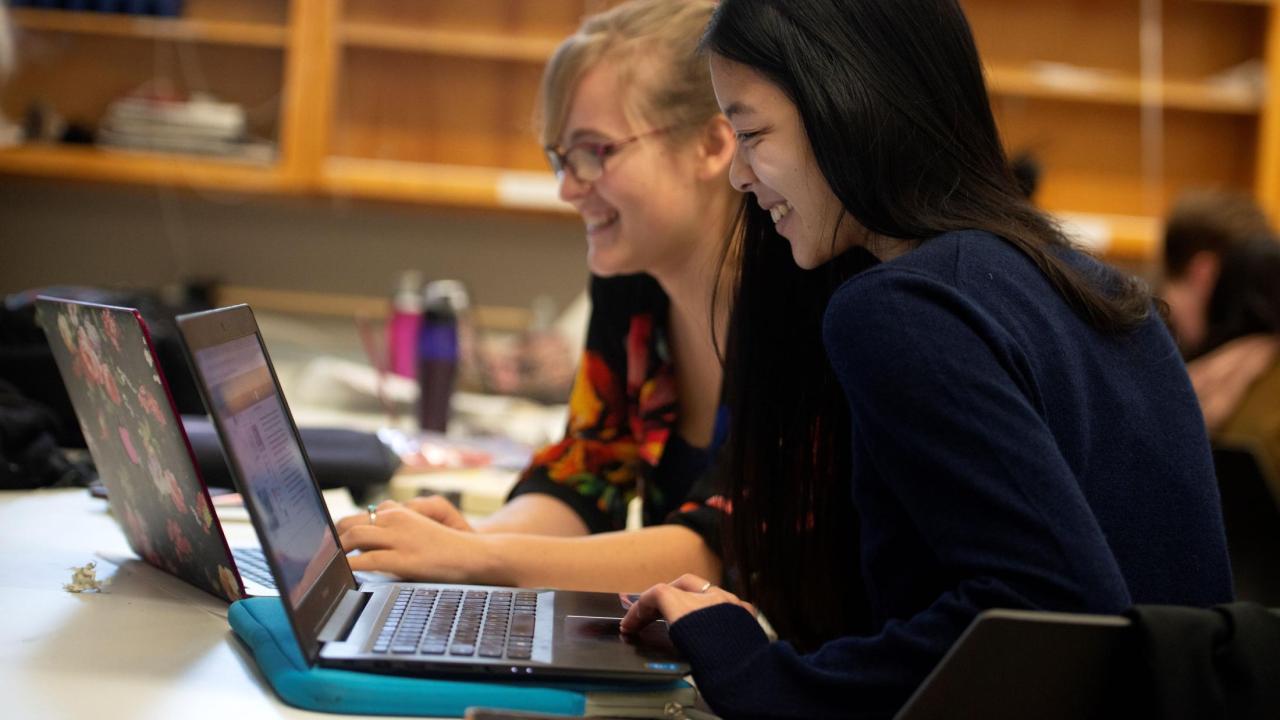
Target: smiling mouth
779, 211
596, 223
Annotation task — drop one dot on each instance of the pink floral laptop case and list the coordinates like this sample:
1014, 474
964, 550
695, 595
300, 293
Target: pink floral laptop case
134, 433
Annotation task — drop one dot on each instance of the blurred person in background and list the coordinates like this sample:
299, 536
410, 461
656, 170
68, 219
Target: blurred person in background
1222, 285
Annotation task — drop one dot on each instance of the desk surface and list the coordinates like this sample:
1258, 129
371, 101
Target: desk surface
150, 646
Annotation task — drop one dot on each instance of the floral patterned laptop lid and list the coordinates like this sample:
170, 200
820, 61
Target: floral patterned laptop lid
137, 440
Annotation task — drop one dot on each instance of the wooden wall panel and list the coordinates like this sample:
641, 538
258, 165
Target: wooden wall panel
514, 17
427, 108
1092, 154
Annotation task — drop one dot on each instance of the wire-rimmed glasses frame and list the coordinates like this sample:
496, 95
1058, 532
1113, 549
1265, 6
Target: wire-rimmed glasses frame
585, 159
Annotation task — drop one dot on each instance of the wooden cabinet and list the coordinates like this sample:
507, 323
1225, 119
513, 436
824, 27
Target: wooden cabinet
1125, 102
76, 63
426, 102
1129, 103
433, 101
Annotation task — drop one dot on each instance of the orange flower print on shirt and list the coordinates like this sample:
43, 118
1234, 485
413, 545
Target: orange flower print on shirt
638, 351
719, 502
585, 406
651, 425
596, 400
651, 387
579, 460
623, 409
596, 453
618, 427
563, 460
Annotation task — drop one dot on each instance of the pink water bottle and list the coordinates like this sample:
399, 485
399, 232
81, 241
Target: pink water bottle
403, 324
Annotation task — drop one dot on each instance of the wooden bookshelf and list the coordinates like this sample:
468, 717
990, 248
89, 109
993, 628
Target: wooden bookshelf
1093, 86
111, 165
226, 32
451, 43
1267, 3
1119, 140
76, 63
442, 184
432, 102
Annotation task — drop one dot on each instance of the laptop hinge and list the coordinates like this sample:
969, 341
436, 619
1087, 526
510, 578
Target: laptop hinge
344, 616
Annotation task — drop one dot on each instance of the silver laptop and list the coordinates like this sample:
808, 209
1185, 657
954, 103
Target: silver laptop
135, 435
407, 628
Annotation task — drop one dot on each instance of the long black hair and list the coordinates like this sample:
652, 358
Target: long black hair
894, 104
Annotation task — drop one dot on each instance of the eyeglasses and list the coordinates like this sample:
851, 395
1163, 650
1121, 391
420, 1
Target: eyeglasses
585, 160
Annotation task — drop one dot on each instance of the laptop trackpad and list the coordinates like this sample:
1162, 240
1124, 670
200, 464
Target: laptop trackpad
585, 628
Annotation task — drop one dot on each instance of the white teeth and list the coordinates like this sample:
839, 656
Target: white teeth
779, 211
598, 221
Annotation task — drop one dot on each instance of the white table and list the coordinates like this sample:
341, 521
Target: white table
149, 646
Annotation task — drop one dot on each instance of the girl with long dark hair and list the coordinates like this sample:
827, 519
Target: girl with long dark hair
938, 406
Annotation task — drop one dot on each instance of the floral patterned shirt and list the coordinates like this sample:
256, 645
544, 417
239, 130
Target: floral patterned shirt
620, 439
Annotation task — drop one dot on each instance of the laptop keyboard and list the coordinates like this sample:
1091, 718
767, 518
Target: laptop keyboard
252, 565
471, 623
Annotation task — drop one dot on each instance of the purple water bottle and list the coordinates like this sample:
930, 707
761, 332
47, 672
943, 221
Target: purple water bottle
438, 352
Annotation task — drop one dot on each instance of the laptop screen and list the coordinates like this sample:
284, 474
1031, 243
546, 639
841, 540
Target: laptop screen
243, 396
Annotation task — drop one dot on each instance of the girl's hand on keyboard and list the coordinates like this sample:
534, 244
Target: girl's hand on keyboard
407, 543
435, 507
441, 510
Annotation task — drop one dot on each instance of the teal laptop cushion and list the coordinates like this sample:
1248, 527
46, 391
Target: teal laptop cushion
262, 624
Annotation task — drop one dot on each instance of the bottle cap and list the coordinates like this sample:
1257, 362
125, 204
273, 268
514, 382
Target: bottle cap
408, 294
450, 292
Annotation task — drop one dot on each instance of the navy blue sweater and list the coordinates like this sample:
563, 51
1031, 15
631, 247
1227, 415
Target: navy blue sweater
1005, 454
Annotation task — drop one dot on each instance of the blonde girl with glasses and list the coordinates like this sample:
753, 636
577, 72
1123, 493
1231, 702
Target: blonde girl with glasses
632, 130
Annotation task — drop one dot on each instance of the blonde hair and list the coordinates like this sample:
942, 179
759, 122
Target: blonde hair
655, 45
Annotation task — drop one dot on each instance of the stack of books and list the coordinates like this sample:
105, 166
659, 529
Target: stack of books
198, 125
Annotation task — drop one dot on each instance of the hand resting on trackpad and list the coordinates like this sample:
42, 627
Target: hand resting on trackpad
597, 629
